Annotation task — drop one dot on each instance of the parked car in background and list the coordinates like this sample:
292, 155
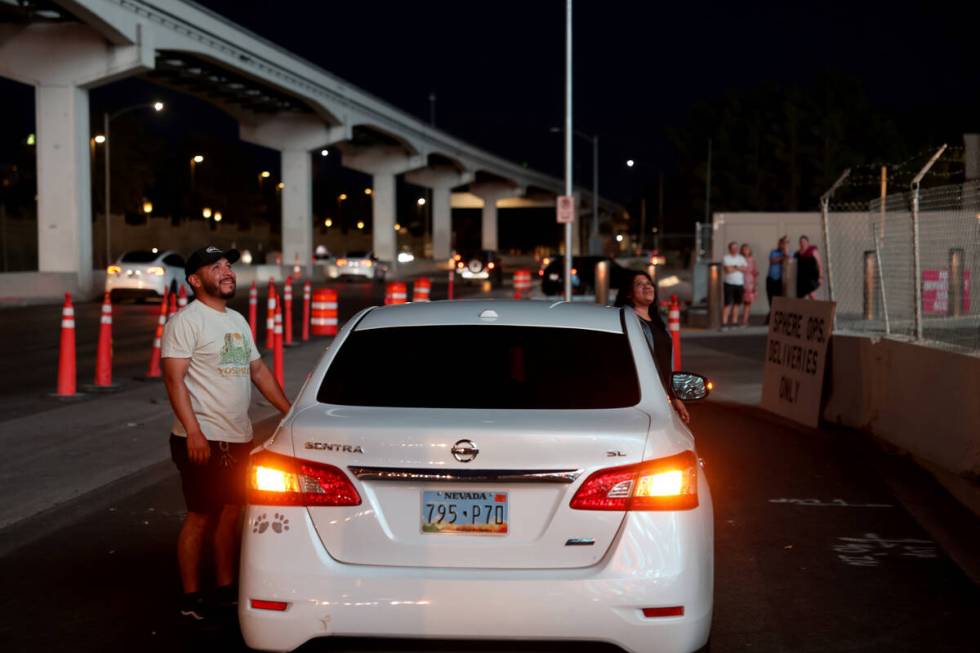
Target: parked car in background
583, 275
139, 274
363, 265
480, 265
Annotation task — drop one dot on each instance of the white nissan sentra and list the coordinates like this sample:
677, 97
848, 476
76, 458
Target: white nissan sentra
490, 470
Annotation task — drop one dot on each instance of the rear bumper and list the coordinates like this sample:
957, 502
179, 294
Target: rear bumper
146, 286
657, 560
365, 273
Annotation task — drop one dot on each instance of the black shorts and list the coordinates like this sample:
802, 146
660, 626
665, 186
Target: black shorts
215, 484
733, 294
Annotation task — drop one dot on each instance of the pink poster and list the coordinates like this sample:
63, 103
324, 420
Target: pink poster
935, 292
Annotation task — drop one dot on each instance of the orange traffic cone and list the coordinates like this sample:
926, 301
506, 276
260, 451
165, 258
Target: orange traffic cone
153, 371
182, 297
270, 316
277, 363
103, 356
674, 326
253, 308
66, 355
287, 309
307, 292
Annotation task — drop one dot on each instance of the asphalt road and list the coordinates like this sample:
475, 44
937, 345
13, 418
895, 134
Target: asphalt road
813, 553
30, 340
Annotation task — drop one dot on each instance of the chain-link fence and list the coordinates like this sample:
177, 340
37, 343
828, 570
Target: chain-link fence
887, 282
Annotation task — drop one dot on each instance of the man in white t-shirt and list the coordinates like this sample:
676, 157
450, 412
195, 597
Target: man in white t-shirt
209, 364
734, 265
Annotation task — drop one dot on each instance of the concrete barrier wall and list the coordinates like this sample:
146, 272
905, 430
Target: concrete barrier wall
919, 399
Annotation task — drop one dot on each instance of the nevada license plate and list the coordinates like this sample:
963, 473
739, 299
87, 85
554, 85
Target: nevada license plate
478, 513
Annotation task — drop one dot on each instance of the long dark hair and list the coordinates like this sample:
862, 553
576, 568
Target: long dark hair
625, 297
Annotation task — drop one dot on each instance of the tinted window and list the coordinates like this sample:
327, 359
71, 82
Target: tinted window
139, 256
483, 367
174, 259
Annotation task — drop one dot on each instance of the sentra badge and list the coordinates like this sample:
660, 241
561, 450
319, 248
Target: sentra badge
332, 446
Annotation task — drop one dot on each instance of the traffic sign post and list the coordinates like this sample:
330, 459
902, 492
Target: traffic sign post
566, 209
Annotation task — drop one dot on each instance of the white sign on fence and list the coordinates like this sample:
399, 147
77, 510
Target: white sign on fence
796, 356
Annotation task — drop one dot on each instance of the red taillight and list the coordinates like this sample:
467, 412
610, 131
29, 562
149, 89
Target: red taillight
663, 484
278, 606
672, 611
276, 480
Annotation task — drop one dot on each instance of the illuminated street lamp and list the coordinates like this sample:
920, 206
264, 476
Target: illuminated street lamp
99, 139
398, 227
360, 224
147, 207
106, 119
217, 216
420, 201
328, 223
196, 160
342, 197
206, 213
280, 185
324, 152
630, 163
368, 191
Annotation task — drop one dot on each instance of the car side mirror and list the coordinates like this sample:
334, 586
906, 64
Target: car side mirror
690, 387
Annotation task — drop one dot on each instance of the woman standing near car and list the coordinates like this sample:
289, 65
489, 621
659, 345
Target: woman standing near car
641, 294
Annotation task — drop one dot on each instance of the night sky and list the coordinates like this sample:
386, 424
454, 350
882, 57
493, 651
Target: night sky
642, 69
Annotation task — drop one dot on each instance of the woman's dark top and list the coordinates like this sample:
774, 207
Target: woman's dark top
807, 272
663, 348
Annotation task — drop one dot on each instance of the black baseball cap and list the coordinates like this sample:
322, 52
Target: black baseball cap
207, 256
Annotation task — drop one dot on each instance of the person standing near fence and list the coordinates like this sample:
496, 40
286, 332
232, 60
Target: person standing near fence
809, 270
751, 282
734, 265
774, 278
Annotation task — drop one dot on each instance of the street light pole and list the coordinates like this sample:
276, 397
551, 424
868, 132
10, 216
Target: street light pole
568, 145
594, 234
106, 119
108, 228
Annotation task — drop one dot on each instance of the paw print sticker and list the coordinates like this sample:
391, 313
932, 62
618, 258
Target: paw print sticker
279, 524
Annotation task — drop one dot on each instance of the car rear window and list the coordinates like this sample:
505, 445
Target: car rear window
496, 367
139, 256
357, 255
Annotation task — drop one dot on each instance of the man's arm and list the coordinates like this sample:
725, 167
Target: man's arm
267, 385
816, 255
174, 370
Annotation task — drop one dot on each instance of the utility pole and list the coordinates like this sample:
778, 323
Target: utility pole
568, 145
707, 189
660, 210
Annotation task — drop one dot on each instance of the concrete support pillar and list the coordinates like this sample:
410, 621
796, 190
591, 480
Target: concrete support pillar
297, 209
442, 223
295, 135
441, 179
488, 228
384, 163
62, 61
491, 193
383, 201
64, 207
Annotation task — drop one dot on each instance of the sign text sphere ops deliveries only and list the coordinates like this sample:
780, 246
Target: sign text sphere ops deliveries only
799, 333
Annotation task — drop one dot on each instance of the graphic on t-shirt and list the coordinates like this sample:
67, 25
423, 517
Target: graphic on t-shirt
233, 360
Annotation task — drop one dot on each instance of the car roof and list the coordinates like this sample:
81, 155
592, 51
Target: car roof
508, 312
